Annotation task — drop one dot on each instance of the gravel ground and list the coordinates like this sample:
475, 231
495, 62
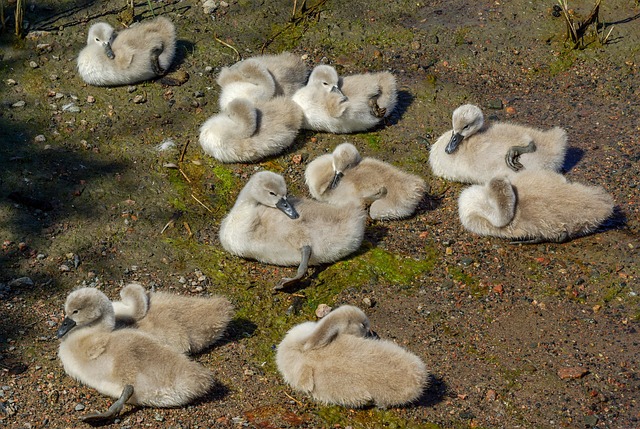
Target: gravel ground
542, 336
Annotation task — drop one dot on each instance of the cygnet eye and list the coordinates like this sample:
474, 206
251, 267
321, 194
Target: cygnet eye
97, 39
75, 311
272, 193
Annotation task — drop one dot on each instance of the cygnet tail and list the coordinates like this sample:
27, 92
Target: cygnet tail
557, 147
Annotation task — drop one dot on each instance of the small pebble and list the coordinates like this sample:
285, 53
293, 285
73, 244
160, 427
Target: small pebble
131, 88
369, 302
207, 69
71, 108
139, 99
64, 268
158, 417
33, 65
79, 407
11, 82
572, 373
491, 395
322, 310
22, 281
20, 103
40, 138
209, 6
91, 99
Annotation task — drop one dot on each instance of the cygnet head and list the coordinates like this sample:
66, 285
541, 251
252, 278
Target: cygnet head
102, 34
352, 321
467, 120
85, 307
345, 156
344, 320
270, 189
325, 77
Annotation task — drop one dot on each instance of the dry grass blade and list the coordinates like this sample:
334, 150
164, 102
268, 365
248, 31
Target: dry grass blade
577, 30
19, 17
238, 56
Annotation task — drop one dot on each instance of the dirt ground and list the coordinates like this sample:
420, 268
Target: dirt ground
515, 336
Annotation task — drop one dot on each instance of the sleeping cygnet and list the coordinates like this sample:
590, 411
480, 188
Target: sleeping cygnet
533, 207
141, 52
337, 362
188, 324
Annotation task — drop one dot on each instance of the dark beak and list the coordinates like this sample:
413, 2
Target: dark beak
372, 334
286, 208
66, 326
336, 89
108, 50
454, 143
336, 180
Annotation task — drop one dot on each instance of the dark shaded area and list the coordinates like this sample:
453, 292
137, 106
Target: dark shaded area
572, 158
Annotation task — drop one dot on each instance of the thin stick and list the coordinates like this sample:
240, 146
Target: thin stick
228, 46
293, 399
188, 228
19, 17
184, 151
201, 203
184, 175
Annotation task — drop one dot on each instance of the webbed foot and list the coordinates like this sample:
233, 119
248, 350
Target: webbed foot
512, 157
155, 60
376, 110
113, 410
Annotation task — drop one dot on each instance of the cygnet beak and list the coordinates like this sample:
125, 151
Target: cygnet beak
335, 88
108, 50
372, 334
286, 208
336, 180
453, 144
67, 325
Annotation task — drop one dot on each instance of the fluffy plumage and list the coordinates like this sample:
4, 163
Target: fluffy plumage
247, 132
351, 104
534, 206
188, 324
261, 78
335, 362
344, 175
266, 225
141, 52
109, 361
475, 153
248, 79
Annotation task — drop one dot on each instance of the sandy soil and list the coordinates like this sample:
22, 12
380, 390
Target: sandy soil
542, 336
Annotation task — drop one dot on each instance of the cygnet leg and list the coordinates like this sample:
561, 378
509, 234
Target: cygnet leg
514, 152
113, 410
302, 269
155, 60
